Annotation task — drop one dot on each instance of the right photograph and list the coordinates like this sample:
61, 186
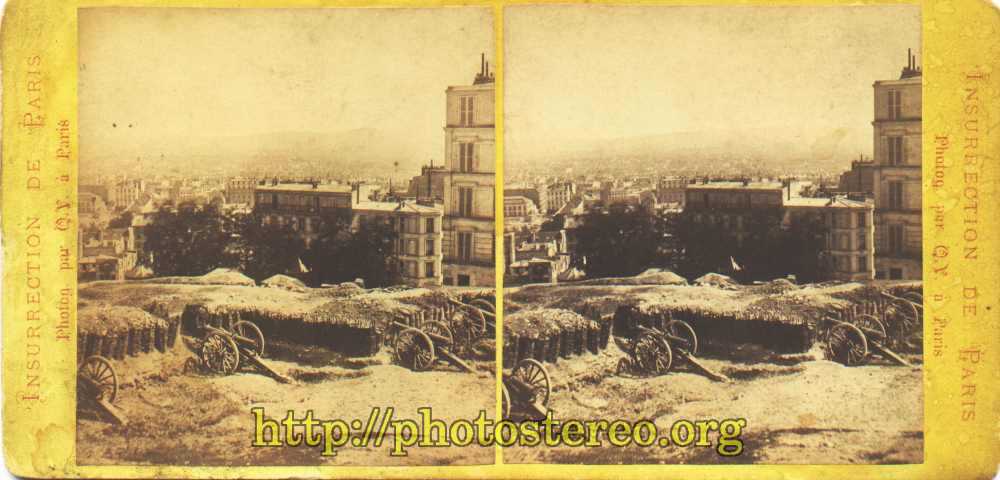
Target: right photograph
712, 234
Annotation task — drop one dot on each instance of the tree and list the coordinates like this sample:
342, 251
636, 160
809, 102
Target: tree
122, 221
266, 249
190, 241
342, 254
621, 240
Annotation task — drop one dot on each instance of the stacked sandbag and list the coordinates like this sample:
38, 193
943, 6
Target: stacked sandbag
116, 331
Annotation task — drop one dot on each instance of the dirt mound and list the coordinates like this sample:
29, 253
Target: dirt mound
219, 276
715, 280
285, 282
104, 319
653, 276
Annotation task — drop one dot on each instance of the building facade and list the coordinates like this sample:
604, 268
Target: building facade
896, 175
303, 206
518, 207
558, 194
850, 240
241, 190
469, 216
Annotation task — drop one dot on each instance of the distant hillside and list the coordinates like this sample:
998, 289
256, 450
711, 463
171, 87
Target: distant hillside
365, 152
736, 151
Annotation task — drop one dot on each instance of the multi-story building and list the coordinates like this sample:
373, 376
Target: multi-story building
469, 217
670, 190
859, 179
849, 222
538, 194
125, 192
419, 230
518, 207
303, 206
429, 184
558, 194
849, 252
896, 175
241, 190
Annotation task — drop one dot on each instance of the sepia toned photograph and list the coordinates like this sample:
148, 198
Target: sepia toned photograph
284, 212
712, 233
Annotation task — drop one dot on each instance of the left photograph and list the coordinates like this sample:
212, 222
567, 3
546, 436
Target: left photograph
286, 234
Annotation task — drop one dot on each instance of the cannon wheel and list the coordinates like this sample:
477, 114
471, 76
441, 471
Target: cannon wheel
847, 344
682, 329
504, 402
414, 349
484, 304
905, 319
652, 354
624, 366
220, 354
533, 373
475, 321
439, 328
99, 370
250, 330
914, 297
870, 325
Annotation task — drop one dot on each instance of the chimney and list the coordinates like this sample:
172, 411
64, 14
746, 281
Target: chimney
789, 190
482, 63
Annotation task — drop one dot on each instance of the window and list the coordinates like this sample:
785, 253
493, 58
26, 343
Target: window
466, 111
861, 241
429, 269
895, 104
465, 246
465, 202
430, 246
274, 200
862, 220
895, 154
896, 195
895, 238
895, 274
430, 225
464, 281
466, 152
411, 247
862, 263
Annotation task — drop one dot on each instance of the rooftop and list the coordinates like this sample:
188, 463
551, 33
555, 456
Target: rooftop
736, 186
305, 187
395, 207
822, 202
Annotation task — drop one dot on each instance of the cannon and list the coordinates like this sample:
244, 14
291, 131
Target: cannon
526, 390
651, 351
419, 348
224, 351
852, 343
97, 386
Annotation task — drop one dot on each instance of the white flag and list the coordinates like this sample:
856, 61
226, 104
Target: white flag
302, 267
736, 266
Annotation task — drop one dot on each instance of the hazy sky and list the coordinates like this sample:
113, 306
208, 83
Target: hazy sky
175, 73
797, 73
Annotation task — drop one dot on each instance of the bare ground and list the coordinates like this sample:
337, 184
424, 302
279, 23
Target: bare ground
799, 408
182, 416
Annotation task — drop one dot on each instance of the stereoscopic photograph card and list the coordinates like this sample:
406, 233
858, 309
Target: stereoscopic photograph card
491, 239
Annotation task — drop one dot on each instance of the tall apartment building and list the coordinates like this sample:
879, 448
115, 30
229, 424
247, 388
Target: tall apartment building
896, 175
469, 216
